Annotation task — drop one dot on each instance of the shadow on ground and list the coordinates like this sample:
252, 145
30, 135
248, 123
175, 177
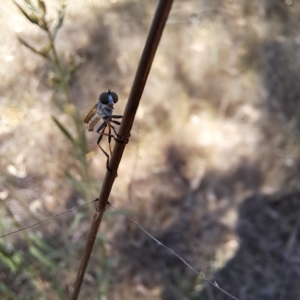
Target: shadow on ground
191, 221
266, 265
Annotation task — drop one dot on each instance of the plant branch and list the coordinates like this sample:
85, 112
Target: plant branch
153, 39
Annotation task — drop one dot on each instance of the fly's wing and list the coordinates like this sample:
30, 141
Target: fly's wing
91, 114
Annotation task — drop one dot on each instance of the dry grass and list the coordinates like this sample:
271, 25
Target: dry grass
218, 123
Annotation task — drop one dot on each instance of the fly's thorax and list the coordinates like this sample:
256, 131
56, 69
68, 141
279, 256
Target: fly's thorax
106, 111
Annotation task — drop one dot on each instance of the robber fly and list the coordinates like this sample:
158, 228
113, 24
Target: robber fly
103, 109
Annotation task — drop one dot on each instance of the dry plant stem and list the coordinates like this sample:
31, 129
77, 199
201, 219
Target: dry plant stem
155, 33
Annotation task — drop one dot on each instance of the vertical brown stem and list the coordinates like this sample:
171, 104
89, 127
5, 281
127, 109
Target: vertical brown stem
155, 33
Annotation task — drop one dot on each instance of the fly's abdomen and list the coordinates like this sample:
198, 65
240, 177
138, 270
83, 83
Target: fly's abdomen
93, 121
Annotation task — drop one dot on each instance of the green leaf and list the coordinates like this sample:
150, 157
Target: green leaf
42, 258
23, 42
64, 130
43, 24
5, 290
8, 262
30, 5
32, 18
42, 7
12, 260
17, 258
60, 20
44, 52
39, 242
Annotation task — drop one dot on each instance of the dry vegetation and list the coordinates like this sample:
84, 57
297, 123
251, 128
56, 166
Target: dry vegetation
211, 170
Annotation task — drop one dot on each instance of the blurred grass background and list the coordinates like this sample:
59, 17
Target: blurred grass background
211, 170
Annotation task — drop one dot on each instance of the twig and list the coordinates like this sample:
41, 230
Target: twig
155, 33
47, 219
174, 253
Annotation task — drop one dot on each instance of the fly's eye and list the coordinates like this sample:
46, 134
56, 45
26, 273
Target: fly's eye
103, 98
114, 96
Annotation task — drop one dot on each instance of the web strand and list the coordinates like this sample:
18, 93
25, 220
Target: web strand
174, 253
143, 229
47, 219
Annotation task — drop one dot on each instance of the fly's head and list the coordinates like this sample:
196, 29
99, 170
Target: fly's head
108, 99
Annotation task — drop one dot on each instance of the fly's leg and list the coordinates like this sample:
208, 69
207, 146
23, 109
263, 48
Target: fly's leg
98, 143
116, 122
102, 128
109, 143
109, 137
118, 138
114, 129
108, 122
104, 124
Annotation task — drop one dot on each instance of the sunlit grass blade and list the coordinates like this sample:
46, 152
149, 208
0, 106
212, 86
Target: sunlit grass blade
8, 262
39, 242
11, 259
34, 251
51, 252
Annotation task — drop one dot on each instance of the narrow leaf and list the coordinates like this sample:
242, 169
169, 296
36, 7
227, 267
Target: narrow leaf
30, 5
60, 20
42, 258
42, 7
64, 130
8, 262
43, 24
39, 242
32, 18
43, 52
23, 42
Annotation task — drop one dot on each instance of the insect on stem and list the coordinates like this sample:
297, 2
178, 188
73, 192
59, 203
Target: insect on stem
103, 110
